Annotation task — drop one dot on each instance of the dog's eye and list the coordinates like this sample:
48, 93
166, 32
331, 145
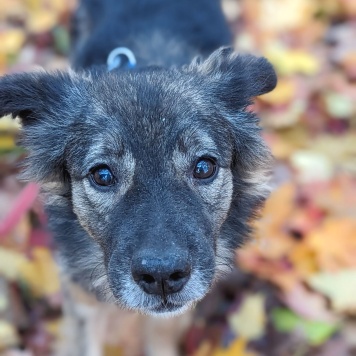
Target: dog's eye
205, 168
102, 176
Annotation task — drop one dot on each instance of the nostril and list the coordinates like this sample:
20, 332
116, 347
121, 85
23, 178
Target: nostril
147, 278
176, 276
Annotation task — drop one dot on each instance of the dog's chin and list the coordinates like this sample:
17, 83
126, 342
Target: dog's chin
167, 310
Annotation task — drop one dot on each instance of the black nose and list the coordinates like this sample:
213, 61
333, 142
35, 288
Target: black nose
161, 275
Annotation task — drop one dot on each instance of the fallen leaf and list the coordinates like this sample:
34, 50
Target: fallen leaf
11, 41
312, 166
334, 244
42, 21
8, 335
315, 332
7, 142
339, 105
307, 304
340, 150
237, 348
304, 260
41, 273
249, 320
291, 61
11, 263
284, 93
339, 286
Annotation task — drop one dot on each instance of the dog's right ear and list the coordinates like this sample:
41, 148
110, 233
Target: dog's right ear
33, 96
44, 103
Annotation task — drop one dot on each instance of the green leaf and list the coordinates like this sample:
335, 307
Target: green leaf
61, 40
315, 332
339, 106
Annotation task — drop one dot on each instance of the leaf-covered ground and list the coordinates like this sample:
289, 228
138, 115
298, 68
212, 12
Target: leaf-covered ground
294, 292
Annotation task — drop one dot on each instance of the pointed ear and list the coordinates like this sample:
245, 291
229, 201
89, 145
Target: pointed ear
235, 79
45, 103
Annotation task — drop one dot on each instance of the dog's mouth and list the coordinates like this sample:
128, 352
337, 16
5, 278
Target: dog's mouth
168, 309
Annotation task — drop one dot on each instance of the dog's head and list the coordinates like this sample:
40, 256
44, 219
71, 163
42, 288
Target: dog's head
153, 175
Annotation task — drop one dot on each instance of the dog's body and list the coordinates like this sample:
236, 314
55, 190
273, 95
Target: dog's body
151, 174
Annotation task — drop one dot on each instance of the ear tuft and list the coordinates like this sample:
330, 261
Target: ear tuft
234, 76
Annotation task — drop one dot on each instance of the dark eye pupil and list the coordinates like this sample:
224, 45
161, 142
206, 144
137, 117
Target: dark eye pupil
205, 168
103, 176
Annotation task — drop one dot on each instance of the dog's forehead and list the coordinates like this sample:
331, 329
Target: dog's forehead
146, 93
153, 138
152, 109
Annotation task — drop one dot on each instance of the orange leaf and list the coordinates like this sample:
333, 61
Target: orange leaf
237, 348
334, 244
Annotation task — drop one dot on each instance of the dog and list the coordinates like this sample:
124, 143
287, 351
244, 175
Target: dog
152, 174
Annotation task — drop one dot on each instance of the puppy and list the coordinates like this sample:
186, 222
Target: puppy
151, 175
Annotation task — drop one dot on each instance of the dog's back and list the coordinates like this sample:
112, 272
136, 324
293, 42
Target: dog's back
159, 32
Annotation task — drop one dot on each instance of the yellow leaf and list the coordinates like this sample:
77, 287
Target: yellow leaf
8, 335
11, 263
304, 260
11, 41
284, 93
7, 142
42, 21
250, 320
41, 273
340, 287
291, 61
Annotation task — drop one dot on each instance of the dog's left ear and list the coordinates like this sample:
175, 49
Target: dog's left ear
235, 79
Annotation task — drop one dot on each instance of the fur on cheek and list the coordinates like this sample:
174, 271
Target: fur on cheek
218, 195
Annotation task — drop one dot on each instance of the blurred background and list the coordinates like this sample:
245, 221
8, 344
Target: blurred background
294, 292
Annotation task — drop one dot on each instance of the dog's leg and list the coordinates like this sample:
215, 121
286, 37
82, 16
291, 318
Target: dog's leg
162, 336
91, 328
81, 334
